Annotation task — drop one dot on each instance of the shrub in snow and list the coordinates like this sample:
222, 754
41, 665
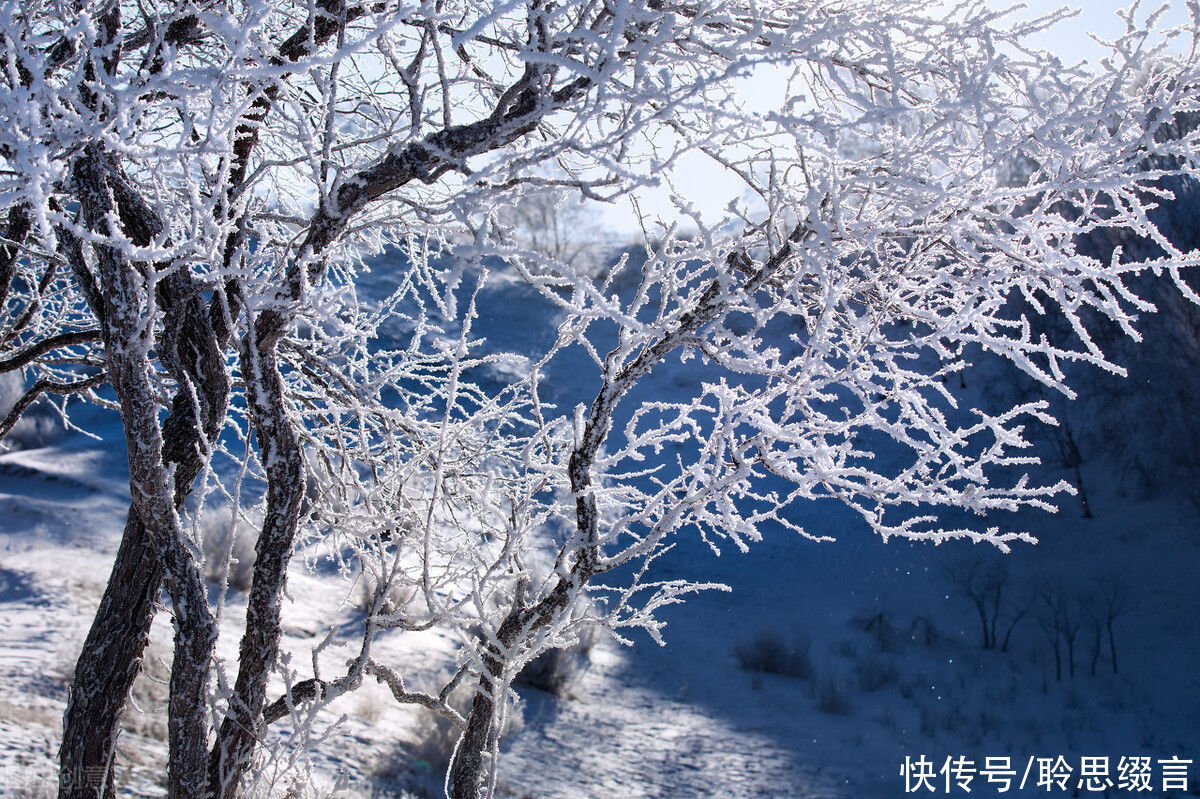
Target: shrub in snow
383, 597
28, 786
875, 673
886, 637
557, 671
227, 544
833, 698
38, 426
923, 632
772, 652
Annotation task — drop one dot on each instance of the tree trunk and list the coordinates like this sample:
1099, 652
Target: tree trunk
127, 312
1012, 626
111, 655
107, 666
471, 767
997, 601
1112, 644
1084, 505
983, 622
153, 498
469, 770
280, 452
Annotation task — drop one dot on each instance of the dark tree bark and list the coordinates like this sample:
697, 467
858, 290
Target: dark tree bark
99, 693
111, 655
280, 452
15, 229
1112, 644
107, 665
1012, 625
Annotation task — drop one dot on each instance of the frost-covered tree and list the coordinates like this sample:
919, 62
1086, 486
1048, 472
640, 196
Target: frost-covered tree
1140, 426
191, 189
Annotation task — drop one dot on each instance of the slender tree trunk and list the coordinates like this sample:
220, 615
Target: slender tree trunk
154, 501
1051, 634
111, 655
471, 766
1084, 505
107, 666
1112, 645
284, 463
127, 312
1012, 626
470, 769
983, 622
997, 601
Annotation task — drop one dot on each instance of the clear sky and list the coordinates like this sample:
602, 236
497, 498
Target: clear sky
709, 188
1100, 17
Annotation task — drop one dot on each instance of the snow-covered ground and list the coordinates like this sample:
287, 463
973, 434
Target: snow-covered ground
895, 667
